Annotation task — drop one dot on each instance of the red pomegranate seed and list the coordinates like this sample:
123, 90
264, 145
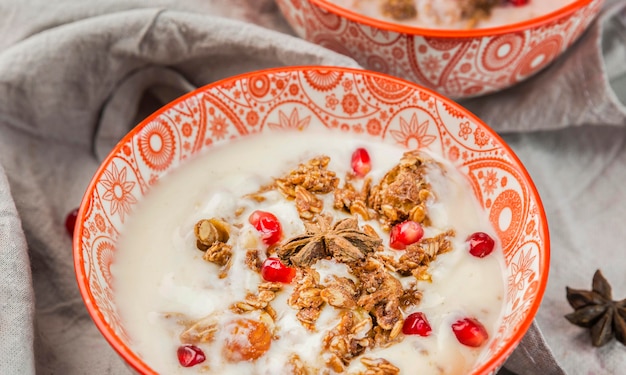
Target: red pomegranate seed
361, 163
416, 324
470, 332
519, 3
268, 226
190, 355
70, 221
405, 234
480, 244
273, 270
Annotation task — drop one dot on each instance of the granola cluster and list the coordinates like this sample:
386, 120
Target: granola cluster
304, 183
448, 11
370, 300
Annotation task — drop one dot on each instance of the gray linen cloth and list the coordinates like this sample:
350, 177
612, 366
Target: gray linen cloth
75, 78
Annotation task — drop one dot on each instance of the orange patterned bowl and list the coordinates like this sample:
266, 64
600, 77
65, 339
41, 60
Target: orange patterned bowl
367, 104
456, 63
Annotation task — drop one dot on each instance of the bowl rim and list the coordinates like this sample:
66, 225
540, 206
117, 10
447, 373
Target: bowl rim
140, 366
450, 33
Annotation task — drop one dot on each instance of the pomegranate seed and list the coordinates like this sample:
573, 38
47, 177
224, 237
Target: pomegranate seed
405, 234
70, 221
190, 355
268, 226
273, 270
519, 3
480, 244
416, 324
470, 332
361, 164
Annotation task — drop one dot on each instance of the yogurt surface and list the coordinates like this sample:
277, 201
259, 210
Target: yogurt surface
161, 278
445, 14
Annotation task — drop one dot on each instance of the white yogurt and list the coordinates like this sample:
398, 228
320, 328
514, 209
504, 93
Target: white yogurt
445, 14
158, 269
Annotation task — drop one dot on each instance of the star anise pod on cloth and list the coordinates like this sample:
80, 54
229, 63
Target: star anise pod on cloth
596, 310
343, 241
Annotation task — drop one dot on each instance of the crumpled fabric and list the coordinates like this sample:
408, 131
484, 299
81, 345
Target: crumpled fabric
75, 77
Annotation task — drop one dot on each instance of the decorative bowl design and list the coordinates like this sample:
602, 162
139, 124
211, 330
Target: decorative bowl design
353, 101
456, 63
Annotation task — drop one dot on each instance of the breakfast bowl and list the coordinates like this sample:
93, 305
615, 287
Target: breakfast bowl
260, 223
456, 62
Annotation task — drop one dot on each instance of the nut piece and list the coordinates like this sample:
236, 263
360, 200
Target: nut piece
199, 331
211, 237
254, 302
209, 231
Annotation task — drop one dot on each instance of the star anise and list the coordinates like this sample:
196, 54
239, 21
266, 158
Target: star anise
343, 241
595, 309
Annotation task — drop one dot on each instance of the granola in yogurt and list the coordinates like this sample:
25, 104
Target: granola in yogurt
372, 231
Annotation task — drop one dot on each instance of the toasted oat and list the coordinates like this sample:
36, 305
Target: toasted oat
379, 366
253, 260
312, 176
334, 363
254, 302
418, 256
410, 297
306, 297
307, 204
308, 316
354, 202
343, 343
219, 253
271, 286
296, 366
377, 285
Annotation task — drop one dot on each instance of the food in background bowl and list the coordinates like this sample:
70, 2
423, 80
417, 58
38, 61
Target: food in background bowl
176, 229
458, 63
453, 14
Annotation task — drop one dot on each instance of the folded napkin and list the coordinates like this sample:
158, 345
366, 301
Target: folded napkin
16, 290
74, 82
